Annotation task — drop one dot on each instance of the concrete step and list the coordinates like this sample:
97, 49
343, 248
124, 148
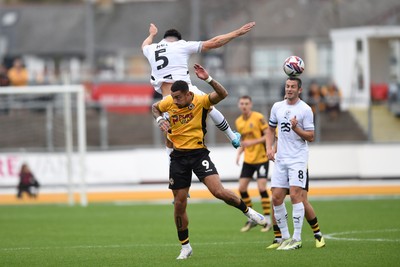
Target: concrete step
385, 125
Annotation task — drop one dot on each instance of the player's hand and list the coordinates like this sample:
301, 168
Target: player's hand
293, 122
245, 143
200, 72
164, 125
271, 154
153, 29
246, 28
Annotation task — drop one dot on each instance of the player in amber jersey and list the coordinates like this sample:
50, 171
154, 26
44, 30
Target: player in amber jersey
186, 129
253, 126
187, 125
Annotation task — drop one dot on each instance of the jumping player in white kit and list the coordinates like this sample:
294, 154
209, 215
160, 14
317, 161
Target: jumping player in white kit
169, 63
295, 123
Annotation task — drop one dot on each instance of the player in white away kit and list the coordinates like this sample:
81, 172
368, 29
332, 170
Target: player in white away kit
169, 63
294, 119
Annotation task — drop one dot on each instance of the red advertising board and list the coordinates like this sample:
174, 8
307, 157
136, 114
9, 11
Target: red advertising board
123, 97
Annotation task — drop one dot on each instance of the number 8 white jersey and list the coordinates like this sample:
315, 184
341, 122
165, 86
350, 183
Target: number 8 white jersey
169, 61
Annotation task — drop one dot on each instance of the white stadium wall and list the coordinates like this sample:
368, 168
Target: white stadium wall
151, 165
372, 60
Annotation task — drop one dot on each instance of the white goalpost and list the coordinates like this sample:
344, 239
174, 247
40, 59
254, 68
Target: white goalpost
17, 103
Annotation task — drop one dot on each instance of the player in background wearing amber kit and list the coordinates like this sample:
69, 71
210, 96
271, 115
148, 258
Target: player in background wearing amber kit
186, 128
169, 62
253, 128
294, 120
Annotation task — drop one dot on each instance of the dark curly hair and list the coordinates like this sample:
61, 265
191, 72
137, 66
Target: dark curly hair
173, 33
179, 86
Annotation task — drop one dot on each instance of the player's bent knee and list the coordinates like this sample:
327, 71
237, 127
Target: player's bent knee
276, 201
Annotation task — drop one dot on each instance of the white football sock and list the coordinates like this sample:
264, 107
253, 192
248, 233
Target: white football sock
281, 220
268, 218
221, 123
186, 245
298, 218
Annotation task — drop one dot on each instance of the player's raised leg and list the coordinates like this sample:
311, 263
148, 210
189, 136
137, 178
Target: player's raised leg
216, 188
221, 123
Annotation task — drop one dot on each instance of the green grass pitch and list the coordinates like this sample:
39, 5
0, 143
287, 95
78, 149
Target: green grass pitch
359, 232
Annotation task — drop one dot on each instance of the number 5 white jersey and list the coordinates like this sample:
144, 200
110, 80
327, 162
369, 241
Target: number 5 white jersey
291, 145
169, 61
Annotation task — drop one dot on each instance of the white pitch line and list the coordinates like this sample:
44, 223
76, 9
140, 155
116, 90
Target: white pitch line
333, 236
128, 246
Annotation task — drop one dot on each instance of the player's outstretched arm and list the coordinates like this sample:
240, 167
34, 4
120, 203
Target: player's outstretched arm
219, 91
152, 32
223, 39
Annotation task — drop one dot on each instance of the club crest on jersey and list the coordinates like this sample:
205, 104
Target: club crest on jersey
191, 106
287, 114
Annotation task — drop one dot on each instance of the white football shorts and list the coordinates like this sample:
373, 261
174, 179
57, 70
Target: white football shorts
287, 173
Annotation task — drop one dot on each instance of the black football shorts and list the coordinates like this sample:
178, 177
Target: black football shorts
184, 162
248, 170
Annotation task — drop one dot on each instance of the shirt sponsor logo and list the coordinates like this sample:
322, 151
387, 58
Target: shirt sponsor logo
183, 118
